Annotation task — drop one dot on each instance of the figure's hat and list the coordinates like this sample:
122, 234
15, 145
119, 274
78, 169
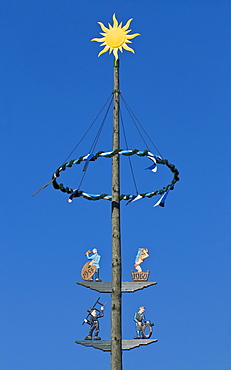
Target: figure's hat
92, 309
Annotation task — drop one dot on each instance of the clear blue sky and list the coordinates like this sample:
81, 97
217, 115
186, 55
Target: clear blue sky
52, 87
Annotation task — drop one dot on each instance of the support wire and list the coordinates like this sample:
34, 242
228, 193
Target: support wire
135, 119
92, 148
129, 159
50, 182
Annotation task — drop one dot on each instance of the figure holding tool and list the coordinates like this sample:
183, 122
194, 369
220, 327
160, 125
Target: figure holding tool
94, 314
91, 268
143, 326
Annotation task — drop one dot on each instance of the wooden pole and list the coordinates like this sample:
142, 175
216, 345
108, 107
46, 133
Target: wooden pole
116, 335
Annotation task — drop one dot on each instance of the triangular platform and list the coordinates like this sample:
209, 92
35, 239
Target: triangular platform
105, 345
126, 286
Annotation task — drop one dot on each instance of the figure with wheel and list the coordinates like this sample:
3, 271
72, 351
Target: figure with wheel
143, 327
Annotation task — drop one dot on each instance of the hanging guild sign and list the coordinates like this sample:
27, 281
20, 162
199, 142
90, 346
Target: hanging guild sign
88, 271
140, 275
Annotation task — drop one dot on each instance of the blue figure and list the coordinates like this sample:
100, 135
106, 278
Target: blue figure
140, 320
95, 257
93, 322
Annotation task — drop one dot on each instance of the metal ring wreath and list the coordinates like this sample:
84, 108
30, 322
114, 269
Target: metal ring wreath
75, 193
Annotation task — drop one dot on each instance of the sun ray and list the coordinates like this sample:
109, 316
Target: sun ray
104, 50
128, 48
132, 36
98, 40
115, 52
116, 37
105, 29
115, 24
127, 24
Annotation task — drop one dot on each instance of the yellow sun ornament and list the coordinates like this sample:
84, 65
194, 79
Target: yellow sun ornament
115, 37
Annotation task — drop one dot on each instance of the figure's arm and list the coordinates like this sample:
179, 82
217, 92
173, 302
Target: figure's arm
135, 319
89, 257
146, 255
87, 254
101, 314
97, 259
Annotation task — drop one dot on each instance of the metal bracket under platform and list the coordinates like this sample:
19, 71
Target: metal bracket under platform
105, 345
126, 286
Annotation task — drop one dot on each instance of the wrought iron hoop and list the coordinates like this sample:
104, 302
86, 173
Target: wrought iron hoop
129, 197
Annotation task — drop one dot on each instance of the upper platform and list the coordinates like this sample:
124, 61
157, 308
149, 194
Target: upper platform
126, 286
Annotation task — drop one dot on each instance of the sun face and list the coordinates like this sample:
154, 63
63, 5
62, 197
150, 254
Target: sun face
115, 37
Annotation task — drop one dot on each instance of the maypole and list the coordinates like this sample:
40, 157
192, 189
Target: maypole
116, 336
115, 38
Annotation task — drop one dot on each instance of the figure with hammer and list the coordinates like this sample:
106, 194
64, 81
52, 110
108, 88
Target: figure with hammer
94, 314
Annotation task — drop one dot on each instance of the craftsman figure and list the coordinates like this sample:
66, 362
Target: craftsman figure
95, 257
95, 314
140, 320
140, 257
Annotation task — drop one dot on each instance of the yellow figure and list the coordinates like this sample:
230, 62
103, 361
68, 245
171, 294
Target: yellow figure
115, 37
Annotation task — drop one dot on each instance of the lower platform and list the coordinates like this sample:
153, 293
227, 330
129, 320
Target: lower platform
126, 286
105, 345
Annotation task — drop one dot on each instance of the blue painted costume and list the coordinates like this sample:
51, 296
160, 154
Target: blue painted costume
94, 323
95, 257
140, 320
